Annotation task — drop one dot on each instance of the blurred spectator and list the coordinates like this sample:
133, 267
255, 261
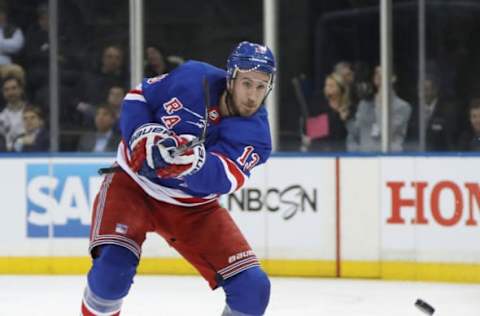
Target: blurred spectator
11, 37
470, 138
364, 130
37, 50
363, 84
358, 77
345, 70
11, 118
115, 100
440, 117
96, 84
37, 61
157, 64
36, 137
327, 131
3, 143
104, 138
37, 46
13, 70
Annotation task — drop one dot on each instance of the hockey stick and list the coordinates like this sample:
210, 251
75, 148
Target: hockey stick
297, 88
300, 95
200, 140
182, 148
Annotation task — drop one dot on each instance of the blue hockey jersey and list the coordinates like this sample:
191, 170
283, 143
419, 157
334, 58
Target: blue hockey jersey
176, 100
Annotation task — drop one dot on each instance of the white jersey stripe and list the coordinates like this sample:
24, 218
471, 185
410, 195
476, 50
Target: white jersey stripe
101, 204
236, 264
120, 238
158, 192
230, 176
135, 97
240, 269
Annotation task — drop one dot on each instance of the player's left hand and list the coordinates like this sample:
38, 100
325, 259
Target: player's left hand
163, 162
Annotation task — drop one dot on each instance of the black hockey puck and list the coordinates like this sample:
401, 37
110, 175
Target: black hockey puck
424, 307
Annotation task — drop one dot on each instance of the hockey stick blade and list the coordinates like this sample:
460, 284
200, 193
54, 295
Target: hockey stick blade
108, 170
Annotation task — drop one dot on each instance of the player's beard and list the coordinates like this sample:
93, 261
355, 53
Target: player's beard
231, 106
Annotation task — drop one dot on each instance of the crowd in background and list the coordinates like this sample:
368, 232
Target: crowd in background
90, 97
345, 108
350, 112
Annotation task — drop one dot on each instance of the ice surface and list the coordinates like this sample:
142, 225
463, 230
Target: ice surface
186, 296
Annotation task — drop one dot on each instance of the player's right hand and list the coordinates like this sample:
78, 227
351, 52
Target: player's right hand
168, 163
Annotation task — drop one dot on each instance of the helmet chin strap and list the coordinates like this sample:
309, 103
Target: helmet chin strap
266, 95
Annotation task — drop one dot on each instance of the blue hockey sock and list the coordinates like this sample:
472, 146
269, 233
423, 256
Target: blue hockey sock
248, 292
112, 272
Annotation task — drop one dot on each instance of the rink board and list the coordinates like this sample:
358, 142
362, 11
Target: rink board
373, 216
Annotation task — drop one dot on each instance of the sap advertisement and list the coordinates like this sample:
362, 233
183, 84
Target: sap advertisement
47, 204
59, 198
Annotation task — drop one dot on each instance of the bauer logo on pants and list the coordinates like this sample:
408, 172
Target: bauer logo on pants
59, 199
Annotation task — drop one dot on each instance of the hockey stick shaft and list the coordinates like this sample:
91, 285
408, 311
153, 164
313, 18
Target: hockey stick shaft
203, 135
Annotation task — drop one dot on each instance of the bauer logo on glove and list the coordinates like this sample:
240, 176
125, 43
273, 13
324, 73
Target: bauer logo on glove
149, 130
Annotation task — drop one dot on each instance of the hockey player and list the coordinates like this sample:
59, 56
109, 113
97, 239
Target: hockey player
166, 188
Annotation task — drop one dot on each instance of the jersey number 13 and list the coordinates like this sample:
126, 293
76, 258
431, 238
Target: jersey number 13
248, 159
